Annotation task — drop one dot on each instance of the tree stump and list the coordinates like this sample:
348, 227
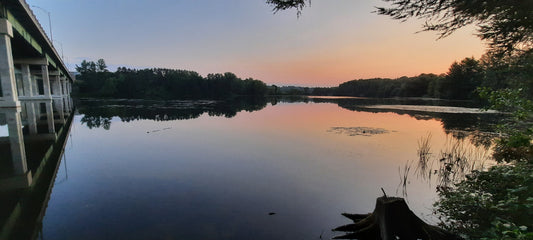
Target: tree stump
391, 220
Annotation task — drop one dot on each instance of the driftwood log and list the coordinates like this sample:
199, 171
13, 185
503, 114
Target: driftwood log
391, 220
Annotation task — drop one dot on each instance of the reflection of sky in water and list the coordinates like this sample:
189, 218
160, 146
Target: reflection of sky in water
4, 131
218, 178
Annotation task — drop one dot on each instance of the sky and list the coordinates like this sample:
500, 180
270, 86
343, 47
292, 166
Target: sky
330, 43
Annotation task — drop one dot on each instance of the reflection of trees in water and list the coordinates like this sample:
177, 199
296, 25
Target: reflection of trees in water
476, 137
461, 154
468, 122
469, 138
467, 147
98, 113
96, 122
450, 121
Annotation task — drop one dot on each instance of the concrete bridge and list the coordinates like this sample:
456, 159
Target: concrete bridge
35, 119
30, 67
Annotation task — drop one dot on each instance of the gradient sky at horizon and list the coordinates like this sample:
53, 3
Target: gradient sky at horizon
330, 43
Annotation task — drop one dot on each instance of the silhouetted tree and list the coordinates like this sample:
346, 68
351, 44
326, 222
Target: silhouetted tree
92, 75
101, 66
462, 79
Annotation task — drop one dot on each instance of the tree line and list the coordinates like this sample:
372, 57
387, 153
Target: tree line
460, 82
464, 80
95, 80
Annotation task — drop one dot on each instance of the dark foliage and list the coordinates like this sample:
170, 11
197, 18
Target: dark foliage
98, 112
288, 4
424, 85
161, 83
493, 204
506, 25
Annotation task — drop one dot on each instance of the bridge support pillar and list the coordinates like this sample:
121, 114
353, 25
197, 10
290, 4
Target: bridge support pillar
56, 86
35, 85
60, 108
7, 70
31, 116
46, 81
59, 86
21, 175
68, 104
16, 139
64, 86
27, 81
50, 117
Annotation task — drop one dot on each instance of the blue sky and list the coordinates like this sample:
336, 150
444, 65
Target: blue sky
332, 42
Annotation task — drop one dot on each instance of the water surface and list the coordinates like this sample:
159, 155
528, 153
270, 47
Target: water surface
239, 169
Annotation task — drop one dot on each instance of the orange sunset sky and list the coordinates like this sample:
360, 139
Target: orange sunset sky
330, 43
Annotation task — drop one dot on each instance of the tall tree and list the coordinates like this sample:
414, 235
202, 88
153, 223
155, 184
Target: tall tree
83, 67
462, 79
101, 66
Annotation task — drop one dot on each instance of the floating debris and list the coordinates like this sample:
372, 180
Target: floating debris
358, 131
439, 109
158, 130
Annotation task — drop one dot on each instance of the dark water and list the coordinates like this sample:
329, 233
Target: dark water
240, 169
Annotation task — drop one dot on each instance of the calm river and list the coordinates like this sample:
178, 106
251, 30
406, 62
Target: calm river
256, 169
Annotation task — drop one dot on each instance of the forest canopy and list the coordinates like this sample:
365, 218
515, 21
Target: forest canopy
161, 83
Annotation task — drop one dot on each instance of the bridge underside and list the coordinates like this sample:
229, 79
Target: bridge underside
30, 68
